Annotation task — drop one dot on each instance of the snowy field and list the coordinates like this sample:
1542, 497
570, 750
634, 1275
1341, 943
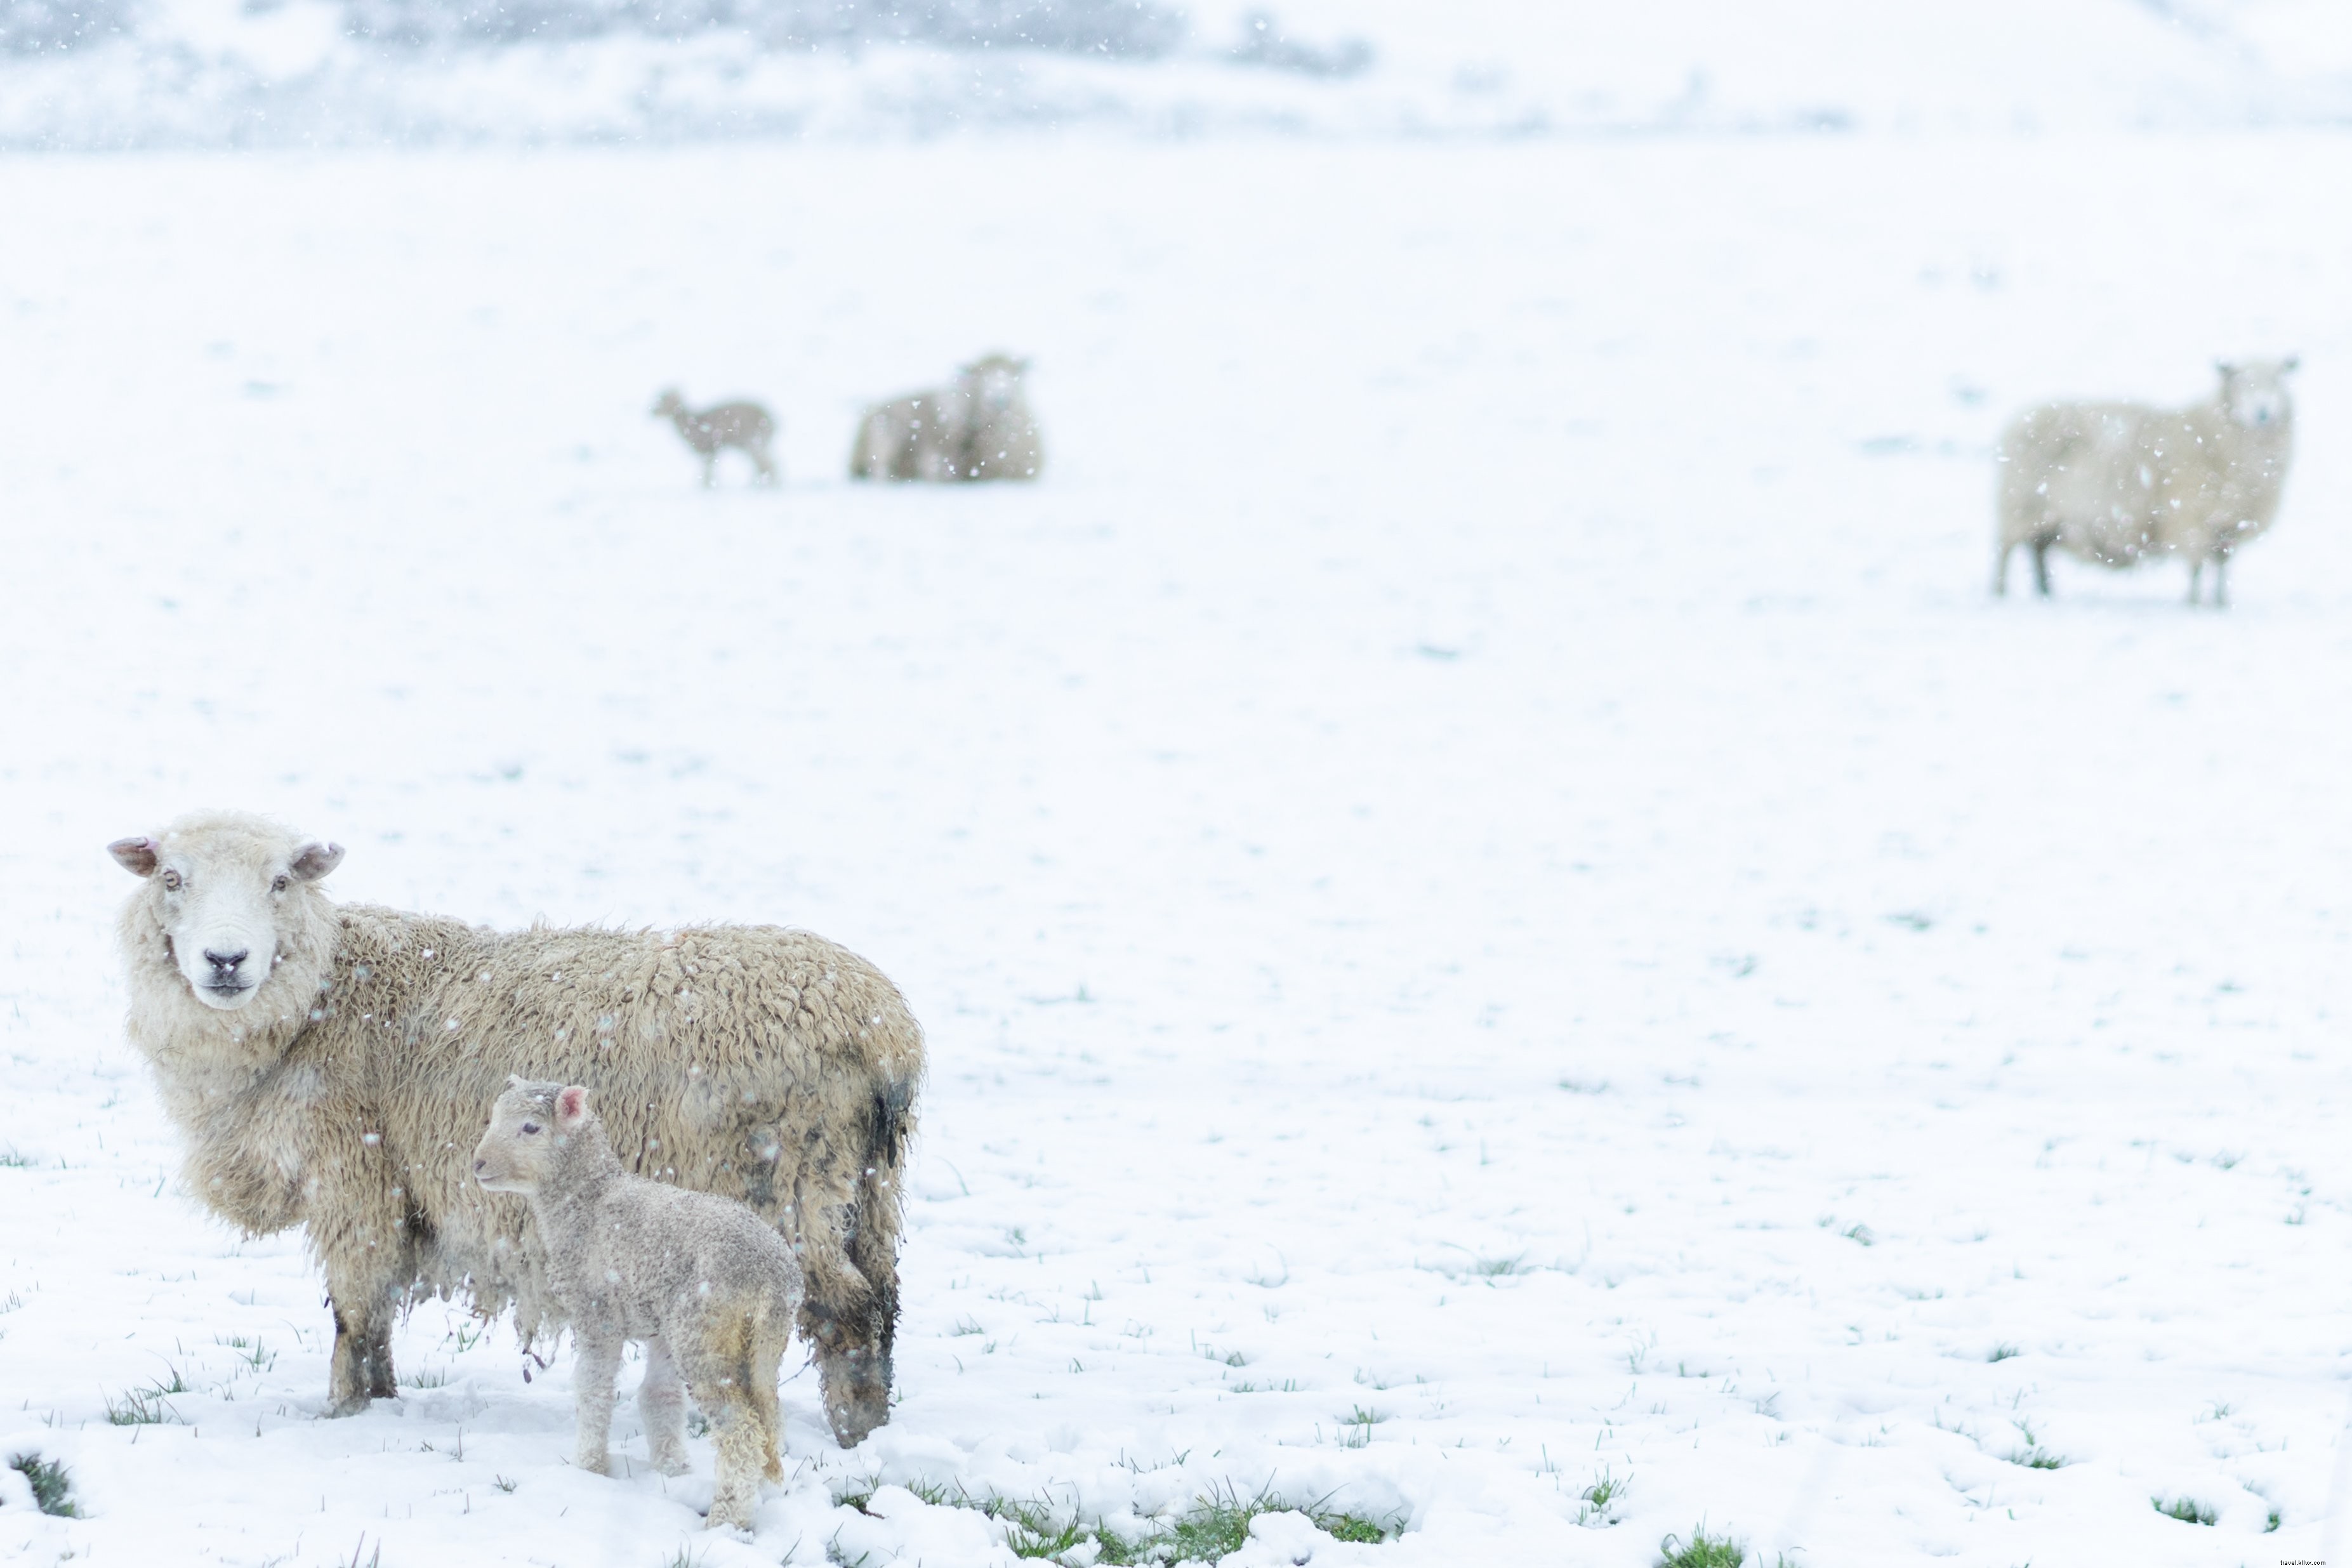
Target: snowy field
1495, 903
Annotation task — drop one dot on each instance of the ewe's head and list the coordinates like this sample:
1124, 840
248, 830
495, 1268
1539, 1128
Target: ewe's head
669, 403
2255, 391
224, 888
995, 380
530, 1125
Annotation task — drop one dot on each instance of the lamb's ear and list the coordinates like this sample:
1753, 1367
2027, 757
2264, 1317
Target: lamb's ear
571, 1104
138, 856
2226, 367
2293, 362
516, 1080
315, 859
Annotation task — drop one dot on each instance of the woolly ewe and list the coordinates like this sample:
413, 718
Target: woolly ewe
2117, 483
979, 427
328, 1066
704, 1285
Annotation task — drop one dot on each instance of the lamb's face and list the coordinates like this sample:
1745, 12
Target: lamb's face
218, 887
527, 1124
2255, 392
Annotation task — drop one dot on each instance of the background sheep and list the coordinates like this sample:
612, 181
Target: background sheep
329, 1065
745, 426
704, 1285
978, 427
2113, 483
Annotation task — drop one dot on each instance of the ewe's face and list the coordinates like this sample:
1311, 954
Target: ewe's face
221, 895
527, 1124
996, 382
2256, 392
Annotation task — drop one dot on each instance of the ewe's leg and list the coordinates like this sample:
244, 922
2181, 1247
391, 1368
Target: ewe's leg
710, 468
2220, 583
597, 1363
2000, 569
363, 1350
2196, 570
766, 461
661, 1401
2041, 566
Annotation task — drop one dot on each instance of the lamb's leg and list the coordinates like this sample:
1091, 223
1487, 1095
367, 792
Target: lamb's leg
735, 1427
2041, 566
710, 469
2000, 569
2196, 570
661, 1401
597, 1362
2220, 583
767, 1359
767, 465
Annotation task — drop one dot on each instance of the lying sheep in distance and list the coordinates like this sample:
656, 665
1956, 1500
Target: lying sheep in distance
2119, 483
745, 426
328, 1066
702, 1283
978, 427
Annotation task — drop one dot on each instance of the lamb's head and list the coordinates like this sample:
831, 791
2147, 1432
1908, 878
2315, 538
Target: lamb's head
2255, 393
994, 381
226, 890
530, 1124
670, 404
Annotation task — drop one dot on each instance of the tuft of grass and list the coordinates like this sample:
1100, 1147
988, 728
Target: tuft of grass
429, 1378
1215, 1526
1497, 1268
2187, 1509
1702, 1551
2036, 1459
11, 1160
2276, 1519
147, 1406
1601, 1499
2002, 1351
684, 1557
52, 1485
504, 1483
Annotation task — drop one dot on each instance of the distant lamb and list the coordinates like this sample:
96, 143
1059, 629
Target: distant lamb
2117, 483
979, 427
702, 1283
745, 426
328, 1067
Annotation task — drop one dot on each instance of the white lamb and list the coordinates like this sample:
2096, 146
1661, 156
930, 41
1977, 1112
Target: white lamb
709, 1289
2118, 483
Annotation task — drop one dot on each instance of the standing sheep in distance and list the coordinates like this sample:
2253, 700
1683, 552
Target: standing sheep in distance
978, 427
745, 426
704, 1283
2117, 483
328, 1065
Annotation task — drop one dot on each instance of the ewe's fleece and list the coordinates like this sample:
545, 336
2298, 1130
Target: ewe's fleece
2117, 483
760, 1064
708, 1287
977, 427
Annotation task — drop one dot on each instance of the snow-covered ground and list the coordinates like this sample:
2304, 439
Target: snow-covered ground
303, 73
1495, 902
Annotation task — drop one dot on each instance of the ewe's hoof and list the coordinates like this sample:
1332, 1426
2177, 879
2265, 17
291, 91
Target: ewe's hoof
595, 1464
349, 1405
671, 1464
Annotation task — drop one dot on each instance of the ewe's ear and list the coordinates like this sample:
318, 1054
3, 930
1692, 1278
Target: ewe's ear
572, 1104
2226, 367
315, 859
137, 856
2293, 362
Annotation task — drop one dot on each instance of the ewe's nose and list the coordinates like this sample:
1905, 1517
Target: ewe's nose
481, 1166
224, 963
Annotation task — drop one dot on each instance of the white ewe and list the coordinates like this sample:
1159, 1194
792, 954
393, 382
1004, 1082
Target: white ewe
2118, 483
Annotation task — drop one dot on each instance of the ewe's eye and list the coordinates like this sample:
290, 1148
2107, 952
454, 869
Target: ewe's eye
171, 881
531, 1126
278, 882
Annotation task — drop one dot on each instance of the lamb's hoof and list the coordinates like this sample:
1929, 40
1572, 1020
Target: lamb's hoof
727, 1519
595, 1464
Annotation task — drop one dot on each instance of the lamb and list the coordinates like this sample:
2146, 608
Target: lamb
704, 1283
978, 427
2118, 483
326, 1065
745, 426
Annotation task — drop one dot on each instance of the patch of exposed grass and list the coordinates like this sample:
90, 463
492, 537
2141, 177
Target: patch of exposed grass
2002, 1351
2187, 1509
1701, 1551
1602, 1499
1216, 1525
11, 1160
2276, 1519
52, 1486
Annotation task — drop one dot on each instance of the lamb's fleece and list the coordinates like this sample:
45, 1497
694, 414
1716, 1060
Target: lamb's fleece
761, 1063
